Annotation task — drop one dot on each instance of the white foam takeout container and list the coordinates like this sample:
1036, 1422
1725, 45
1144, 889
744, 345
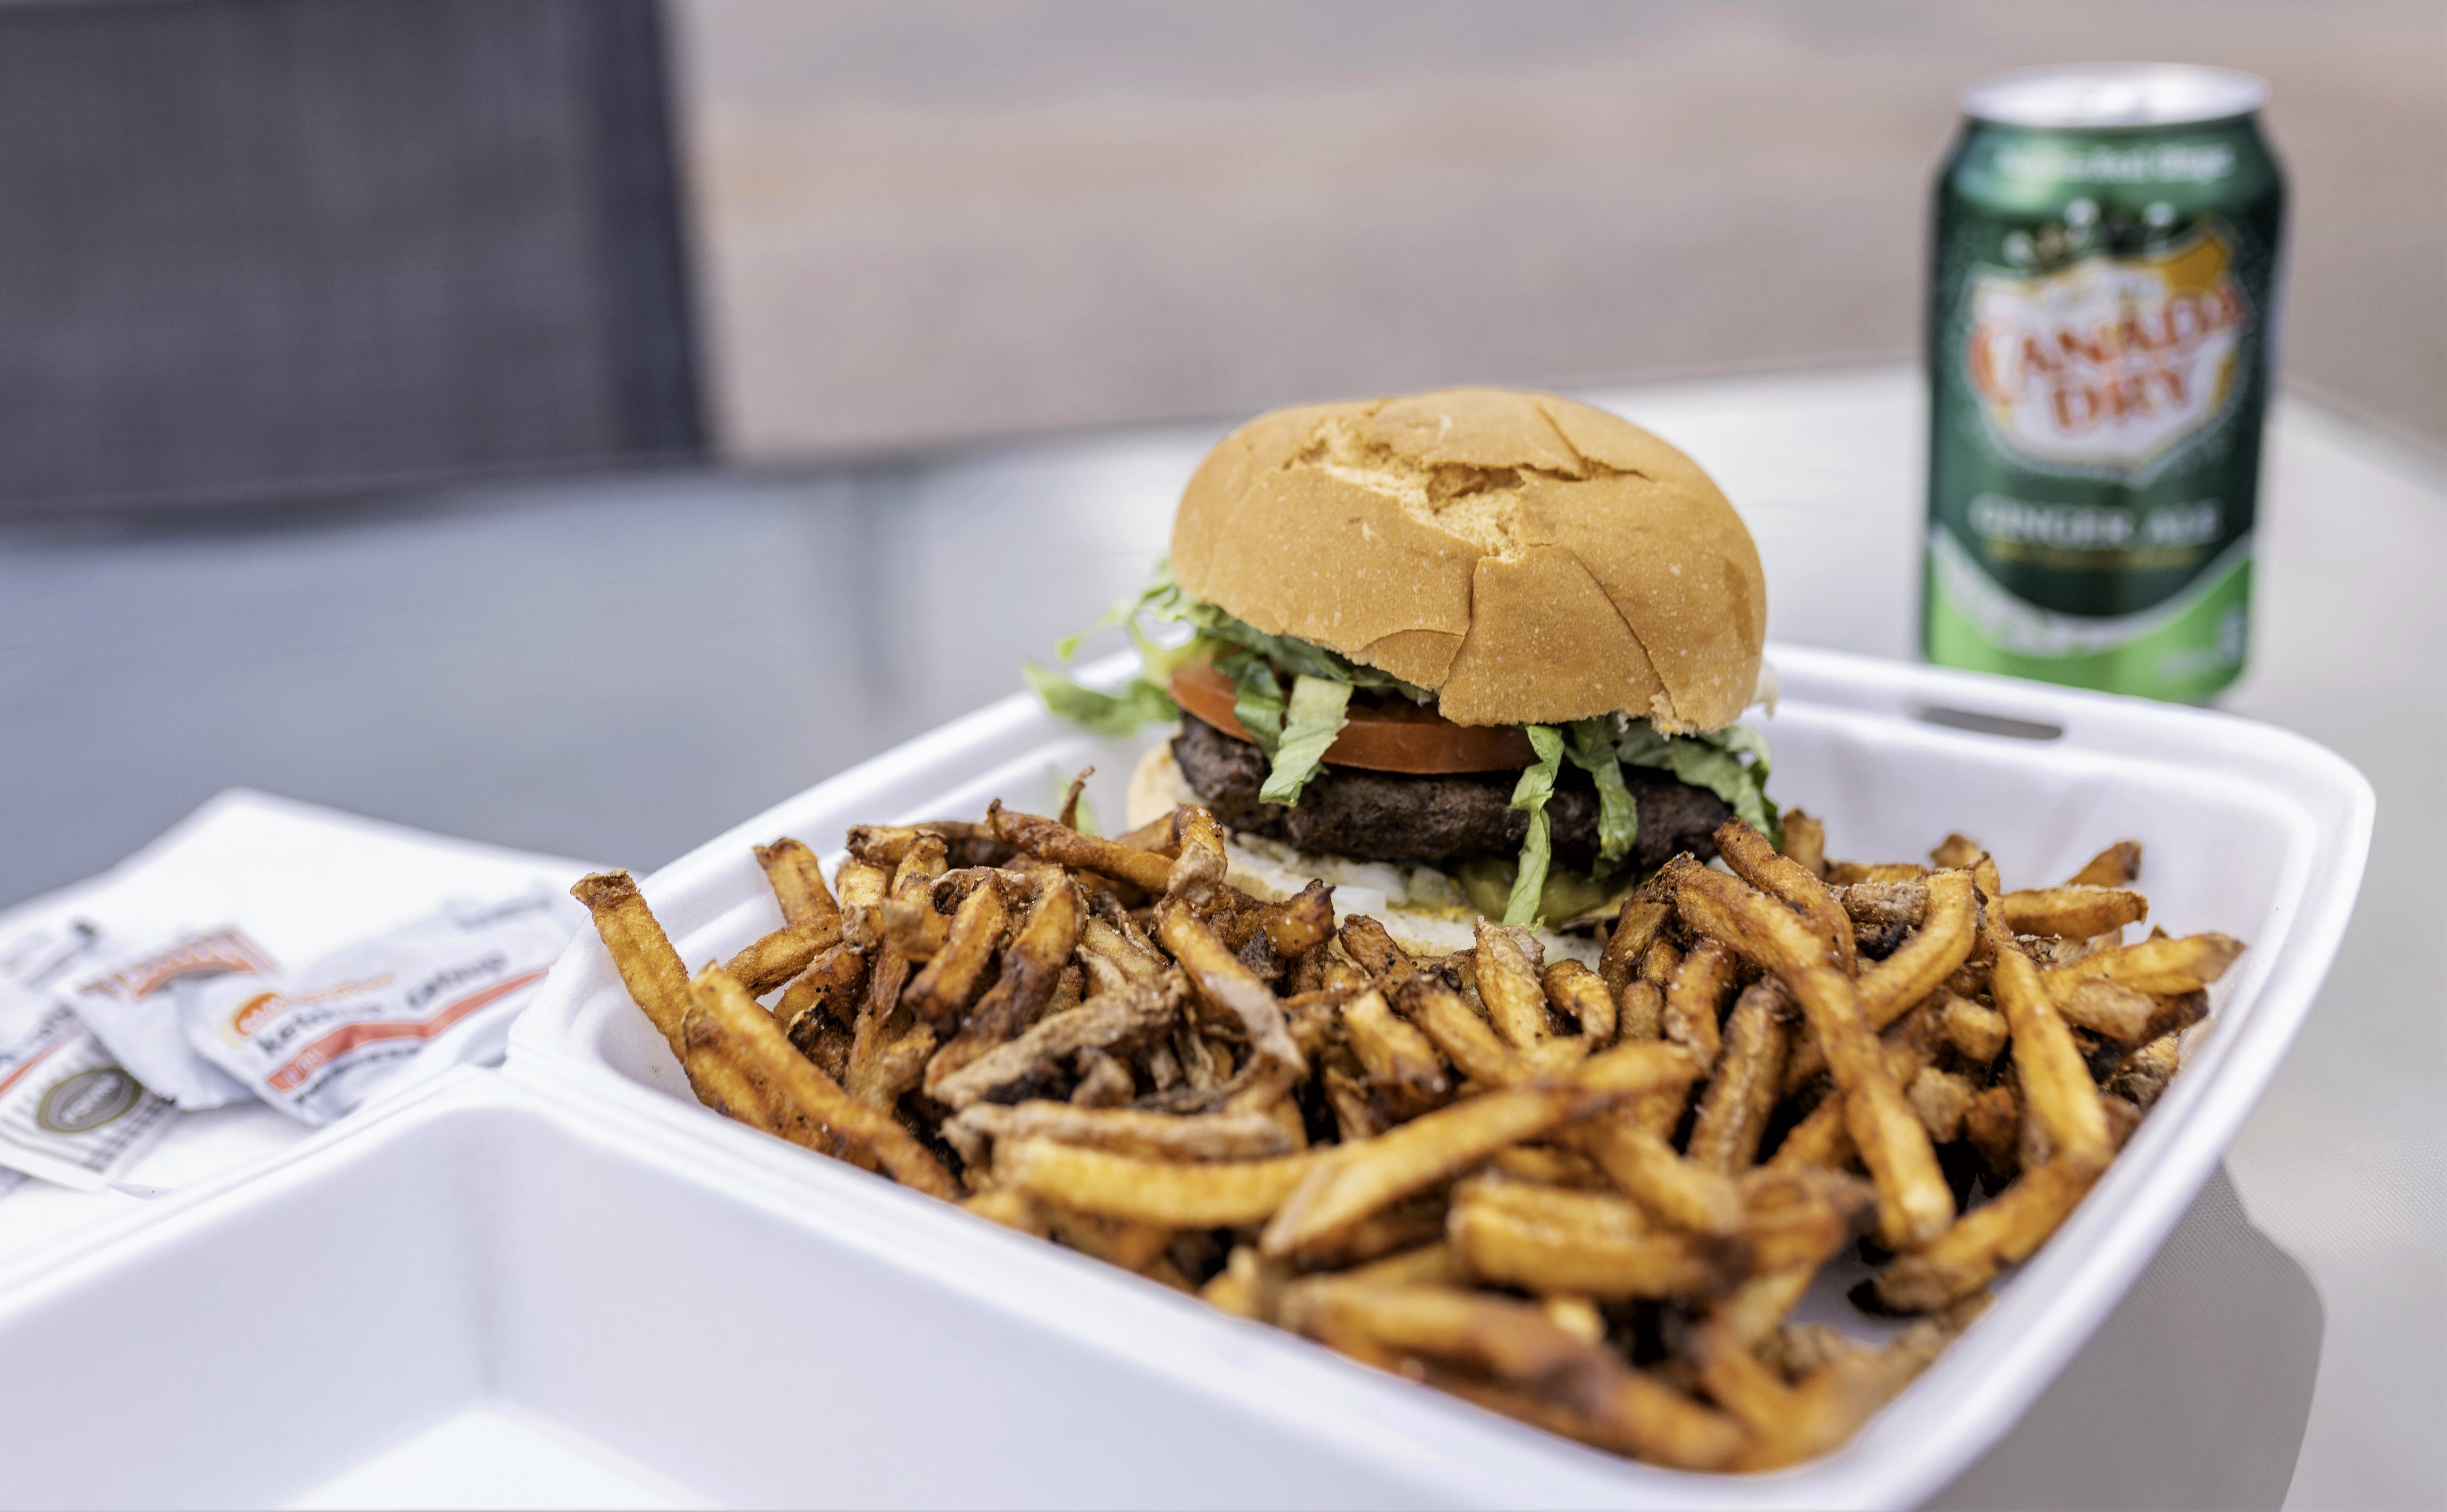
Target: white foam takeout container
2248, 830
569, 1272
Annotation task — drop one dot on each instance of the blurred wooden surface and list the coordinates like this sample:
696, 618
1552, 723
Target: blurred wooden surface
962, 217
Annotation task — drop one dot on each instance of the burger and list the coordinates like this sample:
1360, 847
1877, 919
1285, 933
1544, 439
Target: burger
1479, 650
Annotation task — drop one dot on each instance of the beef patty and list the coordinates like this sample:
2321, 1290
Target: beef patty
1396, 816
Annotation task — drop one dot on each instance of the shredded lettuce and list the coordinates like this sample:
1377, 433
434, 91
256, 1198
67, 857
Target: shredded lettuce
1256, 697
1311, 721
1589, 743
1536, 785
1141, 702
1714, 762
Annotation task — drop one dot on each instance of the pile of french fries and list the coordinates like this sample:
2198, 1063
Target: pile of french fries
1590, 1199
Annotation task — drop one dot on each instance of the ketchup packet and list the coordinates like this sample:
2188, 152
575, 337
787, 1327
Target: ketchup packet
132, 1003
68, 1112
314, 1043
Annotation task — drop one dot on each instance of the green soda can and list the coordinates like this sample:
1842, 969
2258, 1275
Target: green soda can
2102, 336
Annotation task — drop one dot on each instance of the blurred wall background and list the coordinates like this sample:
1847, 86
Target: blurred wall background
952, 218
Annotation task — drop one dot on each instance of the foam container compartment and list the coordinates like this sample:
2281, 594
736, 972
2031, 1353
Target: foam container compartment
568, 1276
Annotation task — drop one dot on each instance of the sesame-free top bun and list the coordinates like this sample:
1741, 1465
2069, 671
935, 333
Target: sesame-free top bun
1532, 560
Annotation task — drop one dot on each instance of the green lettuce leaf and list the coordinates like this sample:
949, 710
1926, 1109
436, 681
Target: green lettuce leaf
1141, 702
1256, 697
1293, 655
1536, 785
1311, 721
1714, 762
1589, 743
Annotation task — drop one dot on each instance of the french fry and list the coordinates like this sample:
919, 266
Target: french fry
1162, 836
1639, 1011
1635, 929
774, 959
2146, 1072
1068, 817
829, 987
1695, 1002
863, 886
648, 964
1888, 988
1133, 1015
2072, 913
1986, 1239
1780, 876
1197, 872
1354, 1180
798, 884
1507, 982
1993, 1123
1032, 968
1758, 1307
1805, 840
1213, 1194
1749, 1077
2108, 1008
1977, 1034
746, 1031
1940, 1099
1847, 874
1226, 984
2057, 1088
1956, 852
1374, 950
2118, 865
1400, 1062
1130, 1131
1545, 1239
1900, 902
1915, 1205
1523, 1364
2156, 966
1640, 1162
1050, 841
1012, 1209
953, 975
1300, 924
1581, 994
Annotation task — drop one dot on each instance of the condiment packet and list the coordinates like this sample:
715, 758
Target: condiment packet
131, 1004
68, 1112
314, 1043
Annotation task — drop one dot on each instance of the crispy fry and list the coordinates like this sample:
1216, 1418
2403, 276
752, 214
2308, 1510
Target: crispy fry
1031, 969
1581, 994
1977, 1034
1300, 924
1012, 1209
882, 846
798, 884
1956, 852
2154, 966
1884, 902
1133, 1016
1695, 1002
1640, 1162
1915, 1205
1059, 844
649, 967
1374, 950
1162, 836
1852, 873
1940, 1099
1805, 840
2146, 1072
2118, 865
1212, 1194
1104, 1081
1128, 1131
1986, 1239
1197, 872
863, 886
829, 987
1639, 1011
1545, 1239
954, 975
1993, 1124
1354, 1180
2057, 1088
716, 1079
1889, 987
748, 1032
1439, 1013
1523, 1363
914, 929
1635, 928
2108, 1008
1780, 876
1399, 1061
878, 1065
1226, 984
1068, 817
1735, 1109
2072, 913
1755, 1308
784, 953
1508, 962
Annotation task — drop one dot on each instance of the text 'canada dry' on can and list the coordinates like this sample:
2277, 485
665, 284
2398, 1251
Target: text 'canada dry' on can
2100, 345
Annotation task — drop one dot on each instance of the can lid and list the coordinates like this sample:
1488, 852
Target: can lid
2113, 95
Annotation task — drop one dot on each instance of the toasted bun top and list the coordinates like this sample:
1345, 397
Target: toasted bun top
1532, 560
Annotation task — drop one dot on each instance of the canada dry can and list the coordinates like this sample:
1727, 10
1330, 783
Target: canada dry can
2100, 347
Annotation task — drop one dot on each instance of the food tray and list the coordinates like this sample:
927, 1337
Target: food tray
2250, 830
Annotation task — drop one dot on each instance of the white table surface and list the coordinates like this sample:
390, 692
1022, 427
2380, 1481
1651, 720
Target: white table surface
2300, 1301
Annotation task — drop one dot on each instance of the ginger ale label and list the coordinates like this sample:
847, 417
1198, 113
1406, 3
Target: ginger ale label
2110, 363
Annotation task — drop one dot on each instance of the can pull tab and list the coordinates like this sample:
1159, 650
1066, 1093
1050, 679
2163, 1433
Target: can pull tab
1990, 724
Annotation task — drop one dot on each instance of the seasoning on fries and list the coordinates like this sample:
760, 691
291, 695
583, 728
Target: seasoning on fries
1588, 1198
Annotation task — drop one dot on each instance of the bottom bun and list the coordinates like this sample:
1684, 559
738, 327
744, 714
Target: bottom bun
1421, 907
